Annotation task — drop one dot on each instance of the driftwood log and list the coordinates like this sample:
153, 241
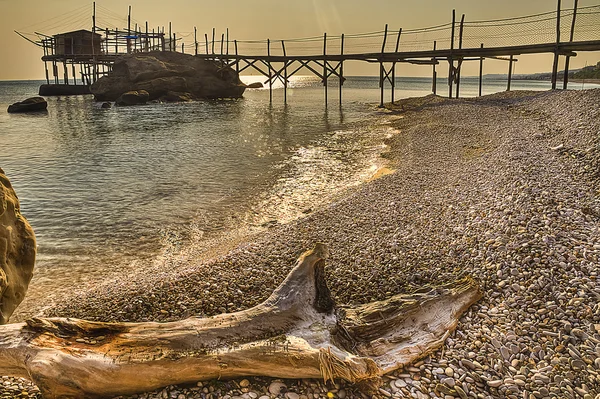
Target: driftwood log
297, 332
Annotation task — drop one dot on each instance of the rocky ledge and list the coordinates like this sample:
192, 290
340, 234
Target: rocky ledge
168, 76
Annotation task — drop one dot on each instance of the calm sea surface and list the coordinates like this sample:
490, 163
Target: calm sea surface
104, 187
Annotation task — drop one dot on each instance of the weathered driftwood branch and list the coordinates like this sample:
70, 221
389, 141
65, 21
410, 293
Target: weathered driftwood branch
296, 333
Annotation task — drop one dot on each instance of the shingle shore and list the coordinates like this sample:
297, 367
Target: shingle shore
504, 187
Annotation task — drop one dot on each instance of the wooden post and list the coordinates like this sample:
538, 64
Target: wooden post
381, 69
566, 75
270, 74
556, 56
480, 73
93, 47
325, 65
147, 44
74, 74
174, 42
460, 37
434, 77
450, 59
285, 75
394, 65
170, 38
206, 41
213, 42
510, 68
162, 40
222, 42
65, 74
128, 30
182, 48
237, 60
195, 41
341, 67
227, 42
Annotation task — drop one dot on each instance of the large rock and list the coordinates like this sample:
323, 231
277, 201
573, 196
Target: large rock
33, 104
161, 72
17, 251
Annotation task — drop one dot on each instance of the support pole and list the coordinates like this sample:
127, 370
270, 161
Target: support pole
222, 43
460, 37
206, 41
147, 43
393, 80
195, 41
227, 43
128, 30
566, 75
325, 65
213, 42
237, 60
556, 56
285, 74
450, 59
170, 38
434, 74
510, 68
480, 73
270, 73
381, 68
341, 67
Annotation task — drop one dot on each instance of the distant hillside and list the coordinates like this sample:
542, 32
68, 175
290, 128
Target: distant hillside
589, 72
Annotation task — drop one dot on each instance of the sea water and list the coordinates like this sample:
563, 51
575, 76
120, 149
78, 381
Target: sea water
106, 188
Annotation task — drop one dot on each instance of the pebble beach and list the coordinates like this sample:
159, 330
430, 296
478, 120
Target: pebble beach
505, 188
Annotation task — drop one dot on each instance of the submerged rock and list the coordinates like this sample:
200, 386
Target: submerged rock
162, 72
17, 251
33, 104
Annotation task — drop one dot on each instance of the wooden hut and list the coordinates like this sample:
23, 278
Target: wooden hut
77, 43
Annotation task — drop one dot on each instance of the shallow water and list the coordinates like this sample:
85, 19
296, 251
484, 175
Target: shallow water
104, 188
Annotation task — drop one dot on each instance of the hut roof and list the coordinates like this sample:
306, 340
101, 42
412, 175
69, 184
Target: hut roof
77, 32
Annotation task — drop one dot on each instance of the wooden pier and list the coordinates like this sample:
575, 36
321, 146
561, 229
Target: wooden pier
456, 42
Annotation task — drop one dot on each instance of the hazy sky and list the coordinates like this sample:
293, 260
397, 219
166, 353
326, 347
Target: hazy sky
261, 19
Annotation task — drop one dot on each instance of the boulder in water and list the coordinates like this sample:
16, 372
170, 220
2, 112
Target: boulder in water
161, 72
17, 251
33, 104
134, 97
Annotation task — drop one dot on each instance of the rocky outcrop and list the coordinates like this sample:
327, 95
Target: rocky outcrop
33, 104
163, 72
17, 251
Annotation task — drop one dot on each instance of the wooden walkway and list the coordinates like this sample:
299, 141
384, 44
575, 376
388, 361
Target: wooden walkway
563, 33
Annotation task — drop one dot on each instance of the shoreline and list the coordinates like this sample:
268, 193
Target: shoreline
482, 187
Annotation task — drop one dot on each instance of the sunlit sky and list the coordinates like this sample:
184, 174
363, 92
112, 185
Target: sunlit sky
261, 19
